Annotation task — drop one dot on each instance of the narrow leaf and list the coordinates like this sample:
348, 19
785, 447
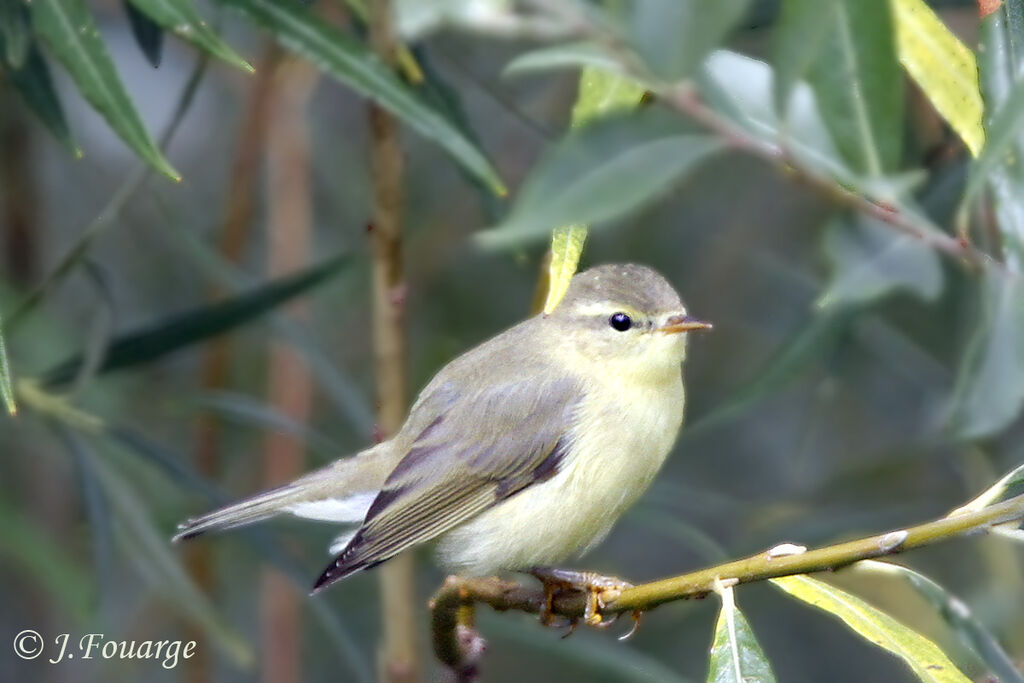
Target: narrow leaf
357, 67
35, 86
601, 172
942, 66
859, 85
181, 330
1003, 135
922, 655
68, 29
181, 18
1000, 54
6, 382
1010, 485
148, 35
568, 56
736, 656
566, 247
957, 615
989, 389
870, 261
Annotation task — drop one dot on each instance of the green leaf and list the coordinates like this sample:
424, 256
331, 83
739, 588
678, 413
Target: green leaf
148, 35
870, 260
674, 36
357, 67
736, 656
1004, 128
799, 35
859, 87
601, 172
67, 28
958, 616
943, 67
922, 655
566, 248
6, 383
35, 86
989, 390
1012, 484
184, 329
1000, 53
15, 36
181, 18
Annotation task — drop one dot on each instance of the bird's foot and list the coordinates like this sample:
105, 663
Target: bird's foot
599, 590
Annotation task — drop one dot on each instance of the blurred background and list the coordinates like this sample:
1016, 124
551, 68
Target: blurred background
805, 423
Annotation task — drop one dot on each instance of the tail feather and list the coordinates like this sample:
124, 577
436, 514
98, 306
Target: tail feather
254, 509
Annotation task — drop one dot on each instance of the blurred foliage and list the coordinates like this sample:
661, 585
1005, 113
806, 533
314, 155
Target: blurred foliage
827, 181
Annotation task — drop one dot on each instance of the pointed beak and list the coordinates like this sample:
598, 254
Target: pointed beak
683, 323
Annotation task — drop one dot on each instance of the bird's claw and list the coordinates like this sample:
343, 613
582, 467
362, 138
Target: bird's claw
600, 590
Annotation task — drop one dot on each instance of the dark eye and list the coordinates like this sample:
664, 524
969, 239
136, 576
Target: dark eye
620, 322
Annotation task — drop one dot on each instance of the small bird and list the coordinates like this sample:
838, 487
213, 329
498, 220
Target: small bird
520, 453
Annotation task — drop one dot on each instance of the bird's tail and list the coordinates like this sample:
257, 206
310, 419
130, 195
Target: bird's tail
340, 492
254, 509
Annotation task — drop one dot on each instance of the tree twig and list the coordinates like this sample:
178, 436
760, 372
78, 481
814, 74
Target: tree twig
398, 663
451, 605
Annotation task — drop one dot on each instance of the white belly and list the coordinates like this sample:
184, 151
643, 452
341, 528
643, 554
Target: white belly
608, 467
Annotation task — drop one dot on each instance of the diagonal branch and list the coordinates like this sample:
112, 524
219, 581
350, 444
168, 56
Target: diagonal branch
451, 607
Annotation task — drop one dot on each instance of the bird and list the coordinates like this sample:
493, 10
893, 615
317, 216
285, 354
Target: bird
519, 454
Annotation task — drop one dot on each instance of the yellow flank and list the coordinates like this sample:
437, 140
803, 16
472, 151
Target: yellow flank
943, 67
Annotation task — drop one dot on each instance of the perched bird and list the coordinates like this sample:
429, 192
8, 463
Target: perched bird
520, 453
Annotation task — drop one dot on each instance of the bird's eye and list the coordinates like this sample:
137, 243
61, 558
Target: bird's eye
620, 322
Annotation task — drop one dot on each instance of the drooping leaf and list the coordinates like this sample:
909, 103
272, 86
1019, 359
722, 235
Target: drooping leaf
859, 86
6, 383
942, 66
68, 29
672, 37
35, 86
870, 260
600, 172
958, 616
181, 18
922, 655
1000, 54
566, 248
353, 64
177, 331
736, 656
989, 390
15, 34
148, 34
799, 34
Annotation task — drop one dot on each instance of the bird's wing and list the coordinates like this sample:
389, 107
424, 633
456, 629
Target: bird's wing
479, 449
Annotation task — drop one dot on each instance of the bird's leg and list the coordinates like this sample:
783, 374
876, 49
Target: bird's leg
597, 588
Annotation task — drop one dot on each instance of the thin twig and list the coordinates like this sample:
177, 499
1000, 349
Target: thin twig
458, 593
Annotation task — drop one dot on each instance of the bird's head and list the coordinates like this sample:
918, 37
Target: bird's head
627, 316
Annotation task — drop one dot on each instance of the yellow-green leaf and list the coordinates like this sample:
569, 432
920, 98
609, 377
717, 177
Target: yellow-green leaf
6, 385
600, 92
943, 67
566, 247
928, 662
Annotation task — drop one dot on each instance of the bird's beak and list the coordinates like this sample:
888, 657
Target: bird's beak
683, 323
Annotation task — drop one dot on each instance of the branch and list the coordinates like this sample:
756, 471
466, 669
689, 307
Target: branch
452, 617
